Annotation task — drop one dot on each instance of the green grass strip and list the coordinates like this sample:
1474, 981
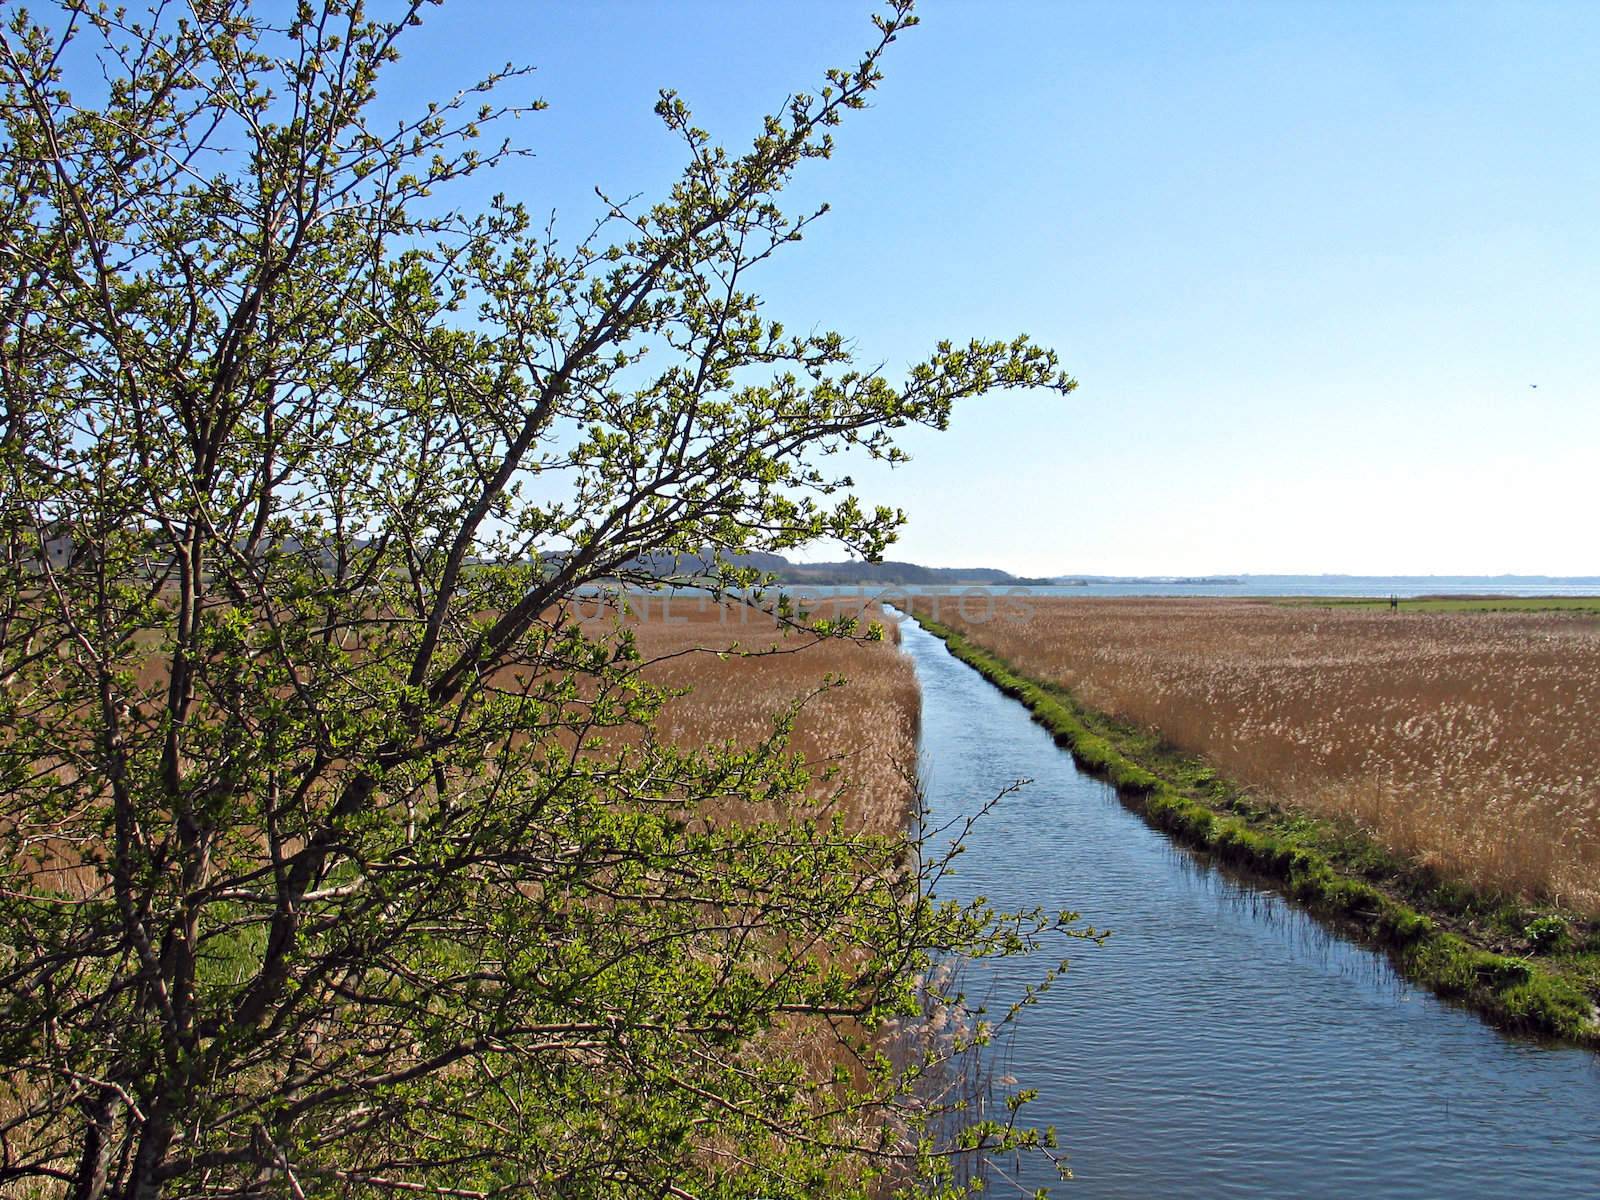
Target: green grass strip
1523, 994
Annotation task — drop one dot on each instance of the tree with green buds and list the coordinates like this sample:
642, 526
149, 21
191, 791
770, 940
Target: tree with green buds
324, 867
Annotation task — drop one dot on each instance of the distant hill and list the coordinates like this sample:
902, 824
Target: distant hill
899, 573
835, 574
906, 574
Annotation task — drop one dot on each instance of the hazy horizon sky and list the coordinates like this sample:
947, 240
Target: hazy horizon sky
1307, 261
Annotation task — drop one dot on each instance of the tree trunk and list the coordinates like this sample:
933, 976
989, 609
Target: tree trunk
101, 1117
142, 1182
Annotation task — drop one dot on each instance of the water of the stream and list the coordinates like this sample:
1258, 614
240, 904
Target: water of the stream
1221, 1043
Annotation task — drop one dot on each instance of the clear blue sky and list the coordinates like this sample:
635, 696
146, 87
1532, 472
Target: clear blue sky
1305, 259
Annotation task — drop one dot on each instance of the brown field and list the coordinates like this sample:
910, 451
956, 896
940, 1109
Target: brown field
859, 739
1466, 741
739, 670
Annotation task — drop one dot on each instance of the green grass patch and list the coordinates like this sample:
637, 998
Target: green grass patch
1525, 968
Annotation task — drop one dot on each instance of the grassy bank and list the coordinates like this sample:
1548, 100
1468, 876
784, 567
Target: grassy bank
1440, 935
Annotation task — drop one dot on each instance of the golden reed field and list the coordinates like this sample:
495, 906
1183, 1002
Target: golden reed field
864, 731
860, 739
863, 734
1467, 741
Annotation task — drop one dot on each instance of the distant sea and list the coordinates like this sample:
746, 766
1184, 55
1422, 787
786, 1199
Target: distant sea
1260, 585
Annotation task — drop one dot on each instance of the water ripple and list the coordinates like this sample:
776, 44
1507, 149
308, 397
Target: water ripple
1221, 1043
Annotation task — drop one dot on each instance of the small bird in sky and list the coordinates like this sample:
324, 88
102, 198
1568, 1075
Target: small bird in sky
1534, 386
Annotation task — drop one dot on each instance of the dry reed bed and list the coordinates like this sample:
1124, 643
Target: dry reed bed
741, 669
1465, 741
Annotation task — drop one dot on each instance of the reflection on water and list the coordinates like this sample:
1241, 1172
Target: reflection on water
1221, 1043
1310, 940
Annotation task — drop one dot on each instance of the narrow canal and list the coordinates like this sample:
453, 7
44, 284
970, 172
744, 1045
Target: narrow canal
1220, 1043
